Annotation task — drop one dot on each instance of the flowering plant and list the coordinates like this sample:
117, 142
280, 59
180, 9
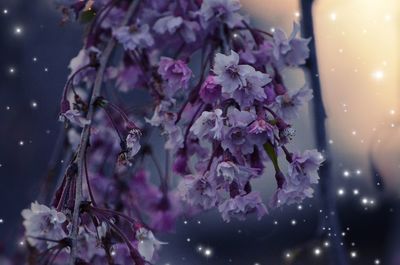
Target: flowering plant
217, 101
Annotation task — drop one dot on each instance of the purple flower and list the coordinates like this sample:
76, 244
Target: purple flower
42, 222
293, 51
240, 206
260, 126
210, 91
176, 73
134, 37
128, 78
302, 174
225, 11
74, 117
172, 25
303, 169
252, 89
229, 74
175, 136
198, 191
289, 104
209, 124
180, 165
230, 172
236, 138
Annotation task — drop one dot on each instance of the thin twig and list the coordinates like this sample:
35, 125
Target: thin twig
86, 133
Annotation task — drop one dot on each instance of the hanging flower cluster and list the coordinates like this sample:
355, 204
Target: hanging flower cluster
218, 104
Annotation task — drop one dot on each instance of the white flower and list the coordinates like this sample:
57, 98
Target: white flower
147, 243
42, 222
75, 117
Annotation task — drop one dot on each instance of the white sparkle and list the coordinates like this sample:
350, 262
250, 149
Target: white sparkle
353, 254
317, 251
188, 239
388, 17
21, 143
207, 252
377, 261
340, 192
346, 173
185, 222
297, 14
330, 141
5, 11
356, 192
1, 221
272, 30
11, 70
34, 59
18, 30
299, 207
378, 75
293, 222
34, 104
326, 244
288, 255
358, 171
333, 16
364, 200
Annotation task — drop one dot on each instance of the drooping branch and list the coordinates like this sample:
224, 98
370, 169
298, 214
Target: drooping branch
80, 158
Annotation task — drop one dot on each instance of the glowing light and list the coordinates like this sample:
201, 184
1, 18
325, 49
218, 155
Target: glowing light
388, 17
5, 11
208, 252
299, 207
346, 173
18, 30
11, 70
364, 200
188, 239
326, 244
34, 104
353, 254
341, 192
1, 221
355, 192
377, 261
317, 251
288, 255
358, 172
333, 16
293, 222
378, 75
392, 112
21, 143
297, 14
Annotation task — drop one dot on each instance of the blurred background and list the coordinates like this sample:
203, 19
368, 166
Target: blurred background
358, 55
